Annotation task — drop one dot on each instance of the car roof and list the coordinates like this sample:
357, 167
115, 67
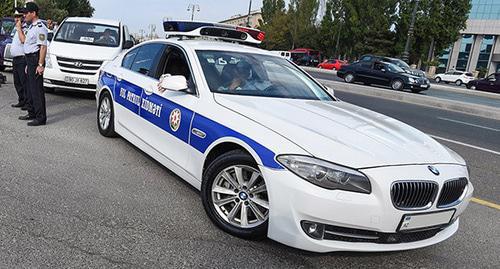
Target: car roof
93, 20
199, 44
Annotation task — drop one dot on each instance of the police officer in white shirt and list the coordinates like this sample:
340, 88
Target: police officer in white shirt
19, 63
35, 49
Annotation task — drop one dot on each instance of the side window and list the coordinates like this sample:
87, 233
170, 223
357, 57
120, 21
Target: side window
147, 59
176, 63
365, 59
378, 66
457, 73
129, 58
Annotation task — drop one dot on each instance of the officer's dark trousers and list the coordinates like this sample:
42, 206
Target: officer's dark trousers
19, 72
36, 92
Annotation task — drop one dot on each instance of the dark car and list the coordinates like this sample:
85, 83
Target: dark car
396, 61
6, 26
383, 73
488, 84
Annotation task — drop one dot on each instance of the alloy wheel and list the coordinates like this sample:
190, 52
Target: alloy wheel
104, 113
239, 196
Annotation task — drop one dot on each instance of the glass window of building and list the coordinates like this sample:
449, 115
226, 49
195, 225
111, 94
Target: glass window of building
464, 52
485, 51
485, 10
444, 57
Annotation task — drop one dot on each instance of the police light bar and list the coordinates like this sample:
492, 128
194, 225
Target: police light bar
216, 30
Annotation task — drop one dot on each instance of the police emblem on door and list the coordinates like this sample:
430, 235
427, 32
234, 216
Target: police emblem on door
175, 119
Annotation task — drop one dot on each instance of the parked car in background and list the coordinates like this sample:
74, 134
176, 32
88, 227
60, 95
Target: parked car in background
488, 84
305, 56
454, 76
383, 73
6, 26
332, 64
402, 64
78, 50
284, 54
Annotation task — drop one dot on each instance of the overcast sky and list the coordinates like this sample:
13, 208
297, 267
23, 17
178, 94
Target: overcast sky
138, 14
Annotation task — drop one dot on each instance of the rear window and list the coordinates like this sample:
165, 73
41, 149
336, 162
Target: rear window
469, 74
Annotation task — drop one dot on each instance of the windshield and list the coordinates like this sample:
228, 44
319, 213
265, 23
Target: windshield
394, 68
257, 75
7, 26
401, 64
89, 34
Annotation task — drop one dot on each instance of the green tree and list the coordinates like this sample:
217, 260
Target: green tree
7, 7
50, 10
275, 23
437, 26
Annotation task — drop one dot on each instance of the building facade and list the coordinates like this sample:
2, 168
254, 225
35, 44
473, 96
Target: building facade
479, 45
241, 20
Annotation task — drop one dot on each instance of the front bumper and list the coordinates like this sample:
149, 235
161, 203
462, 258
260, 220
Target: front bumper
416, 85
55, 78
293, 200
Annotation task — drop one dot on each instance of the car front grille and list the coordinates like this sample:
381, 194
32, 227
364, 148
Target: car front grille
413, 195
366, 236
452, 192
76, 66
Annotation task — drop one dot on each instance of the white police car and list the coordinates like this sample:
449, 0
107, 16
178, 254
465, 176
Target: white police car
273, 153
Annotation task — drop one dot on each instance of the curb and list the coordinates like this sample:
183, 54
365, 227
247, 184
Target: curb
427, 101
441, 87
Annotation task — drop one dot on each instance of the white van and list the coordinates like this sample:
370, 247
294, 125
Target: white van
284, 54
78, 50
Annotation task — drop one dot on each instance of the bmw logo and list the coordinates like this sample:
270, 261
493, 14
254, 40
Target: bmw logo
434, 170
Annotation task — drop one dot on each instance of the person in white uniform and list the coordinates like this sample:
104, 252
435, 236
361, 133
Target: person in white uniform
19, 63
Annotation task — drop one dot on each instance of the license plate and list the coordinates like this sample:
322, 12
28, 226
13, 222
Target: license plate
423, 86
74, 80
7, 63
418, 221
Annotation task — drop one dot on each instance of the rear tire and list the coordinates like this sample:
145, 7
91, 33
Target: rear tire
349, 78
397, 84
458, 82
438, 79
106, 115
234, 195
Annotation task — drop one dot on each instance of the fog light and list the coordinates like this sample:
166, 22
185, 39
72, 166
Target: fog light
47, 81
313, 229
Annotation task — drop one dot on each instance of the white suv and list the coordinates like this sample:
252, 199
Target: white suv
79, 48
457, 77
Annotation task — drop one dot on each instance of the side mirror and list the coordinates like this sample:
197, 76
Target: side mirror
128, 44
172, 83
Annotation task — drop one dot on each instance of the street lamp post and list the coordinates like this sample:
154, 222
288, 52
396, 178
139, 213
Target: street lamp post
406, 53
249, 11
193, 8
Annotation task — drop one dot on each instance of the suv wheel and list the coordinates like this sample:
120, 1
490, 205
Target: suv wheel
458, 82
234, 195
438, 79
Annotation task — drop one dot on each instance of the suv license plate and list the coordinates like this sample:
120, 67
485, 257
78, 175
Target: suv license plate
418, 221
74, 80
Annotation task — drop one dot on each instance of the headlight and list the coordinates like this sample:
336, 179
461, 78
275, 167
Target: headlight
48, 61
326, 175
412, 80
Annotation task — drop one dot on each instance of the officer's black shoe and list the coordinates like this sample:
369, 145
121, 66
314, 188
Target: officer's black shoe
26, 117
17, 105
24, 108
35, 123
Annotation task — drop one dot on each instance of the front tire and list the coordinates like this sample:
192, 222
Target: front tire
458, 82
438, 79
106, 115
349, 78
397, 85
234, 195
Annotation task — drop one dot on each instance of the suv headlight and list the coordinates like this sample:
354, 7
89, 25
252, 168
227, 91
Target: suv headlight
326, 175
48, 61
412, 80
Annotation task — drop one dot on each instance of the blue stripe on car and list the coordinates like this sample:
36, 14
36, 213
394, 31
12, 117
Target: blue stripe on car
213, 129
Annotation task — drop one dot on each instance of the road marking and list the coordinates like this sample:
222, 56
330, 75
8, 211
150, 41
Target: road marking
465, 144
470, 124
485, 203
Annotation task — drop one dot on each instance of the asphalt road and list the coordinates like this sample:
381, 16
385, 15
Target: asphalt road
433, 91
72, 198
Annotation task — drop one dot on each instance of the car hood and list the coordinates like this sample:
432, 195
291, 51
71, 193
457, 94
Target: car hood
85, 52
342, 133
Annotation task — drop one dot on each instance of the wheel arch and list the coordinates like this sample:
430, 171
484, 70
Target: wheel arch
227, 144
